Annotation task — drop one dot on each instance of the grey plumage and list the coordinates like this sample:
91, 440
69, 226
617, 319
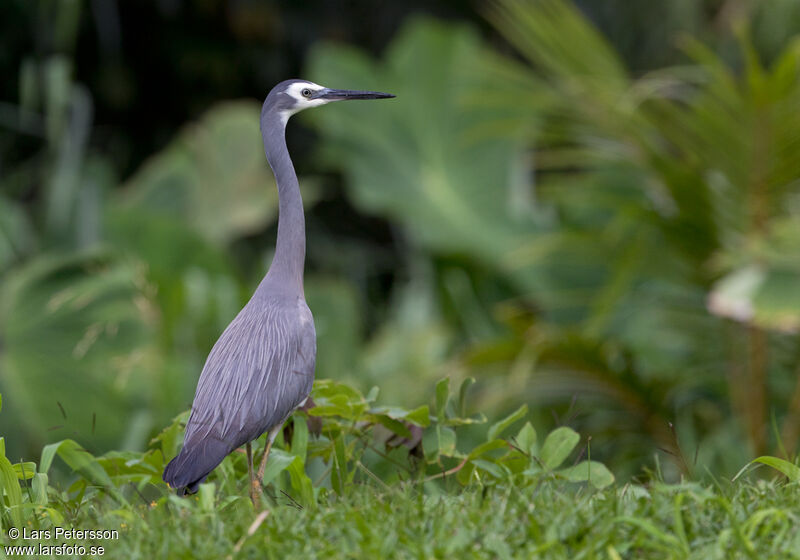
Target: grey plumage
262, 367
259, 371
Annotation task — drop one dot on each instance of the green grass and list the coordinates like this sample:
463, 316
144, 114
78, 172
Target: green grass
349, 492
550, 520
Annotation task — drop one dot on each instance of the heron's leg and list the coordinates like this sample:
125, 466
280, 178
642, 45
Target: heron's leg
253, 495
273, 433
249, 449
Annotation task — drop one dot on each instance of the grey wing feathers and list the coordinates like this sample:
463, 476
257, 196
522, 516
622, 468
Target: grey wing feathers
259, 371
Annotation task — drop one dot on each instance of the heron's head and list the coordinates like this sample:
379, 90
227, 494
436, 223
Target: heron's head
291, 96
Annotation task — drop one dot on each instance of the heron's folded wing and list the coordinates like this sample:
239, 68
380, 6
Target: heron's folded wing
260, 369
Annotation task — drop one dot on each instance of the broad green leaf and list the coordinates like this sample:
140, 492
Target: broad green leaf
462, 395
82, 462
171, 437
440, 441
495, 469
420, 159
447, 441
92, 311
588, 471
442, 396
499, 427
278, 462
790, 470
391, 424
172, 250
372, 395
419, 416
486, 447
526, 439
300, 437
138, 468
300, 481
339, 474
55, 515
336, 406
39, 486
10, 483
207, 495
25, 471
557, 446
213, 175
465, 475
337, 399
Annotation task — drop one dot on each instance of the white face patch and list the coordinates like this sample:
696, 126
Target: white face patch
295, 91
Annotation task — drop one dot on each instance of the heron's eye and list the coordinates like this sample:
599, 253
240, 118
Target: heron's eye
306, 92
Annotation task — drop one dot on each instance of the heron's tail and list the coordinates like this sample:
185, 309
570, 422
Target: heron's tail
194, 463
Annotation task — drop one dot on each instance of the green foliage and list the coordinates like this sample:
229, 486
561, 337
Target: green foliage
421, 159
358, 443
692, 179
212, 177
12, 495
557, 446
563, 229
533, 512
789, 470
80, 461
657, 245
551, 518
65, 320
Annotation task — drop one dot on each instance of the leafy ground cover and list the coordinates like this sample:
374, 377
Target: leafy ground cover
352, 480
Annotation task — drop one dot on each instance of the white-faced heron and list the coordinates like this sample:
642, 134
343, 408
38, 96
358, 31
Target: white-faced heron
262, 367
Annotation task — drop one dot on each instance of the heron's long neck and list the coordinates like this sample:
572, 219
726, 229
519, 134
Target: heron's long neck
286, 271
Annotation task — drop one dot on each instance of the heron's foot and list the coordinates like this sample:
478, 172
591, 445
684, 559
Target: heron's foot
255, 493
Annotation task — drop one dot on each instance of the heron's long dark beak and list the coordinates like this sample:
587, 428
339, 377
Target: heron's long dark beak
343, 94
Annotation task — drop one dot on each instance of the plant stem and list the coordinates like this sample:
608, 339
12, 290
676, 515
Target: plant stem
755, 401
791, 424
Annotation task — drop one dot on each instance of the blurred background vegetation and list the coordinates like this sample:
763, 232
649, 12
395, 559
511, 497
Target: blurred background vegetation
591, 207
